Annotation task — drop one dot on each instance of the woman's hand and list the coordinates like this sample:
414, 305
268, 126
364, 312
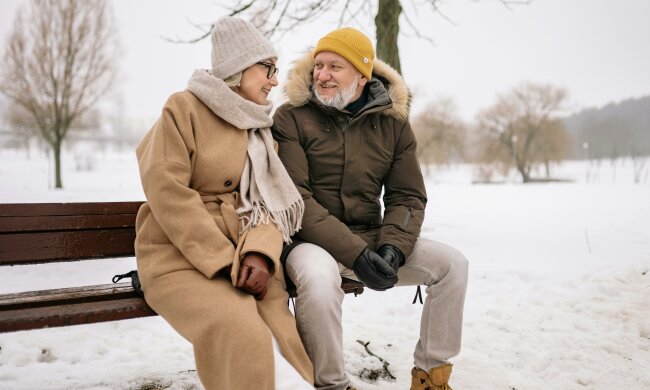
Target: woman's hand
254, 275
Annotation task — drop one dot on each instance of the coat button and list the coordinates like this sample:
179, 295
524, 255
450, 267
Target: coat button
228, 183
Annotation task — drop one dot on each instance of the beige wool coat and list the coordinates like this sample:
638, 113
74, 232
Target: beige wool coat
187, 238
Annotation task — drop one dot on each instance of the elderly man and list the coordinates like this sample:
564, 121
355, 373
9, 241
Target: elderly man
344, 135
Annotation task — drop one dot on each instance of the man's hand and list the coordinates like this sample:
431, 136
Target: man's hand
392, 255
373, 271
254, 275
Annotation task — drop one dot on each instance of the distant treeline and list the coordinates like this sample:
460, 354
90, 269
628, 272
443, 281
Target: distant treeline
613, 131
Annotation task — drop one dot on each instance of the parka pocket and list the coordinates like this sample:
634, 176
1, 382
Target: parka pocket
406, 218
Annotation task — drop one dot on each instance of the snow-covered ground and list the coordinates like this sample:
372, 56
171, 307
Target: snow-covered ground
559, 291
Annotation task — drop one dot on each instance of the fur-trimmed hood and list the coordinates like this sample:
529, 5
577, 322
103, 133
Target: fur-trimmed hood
298, 91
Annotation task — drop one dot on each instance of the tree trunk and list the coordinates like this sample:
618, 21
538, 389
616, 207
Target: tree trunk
547, 166
57, 163
525, 177
387, 24
526, 168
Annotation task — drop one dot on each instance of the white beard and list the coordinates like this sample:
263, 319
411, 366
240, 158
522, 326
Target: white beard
342, 97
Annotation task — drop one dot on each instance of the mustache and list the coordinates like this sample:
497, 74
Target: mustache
326, 84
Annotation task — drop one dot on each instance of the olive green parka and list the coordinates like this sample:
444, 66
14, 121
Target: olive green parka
341, 162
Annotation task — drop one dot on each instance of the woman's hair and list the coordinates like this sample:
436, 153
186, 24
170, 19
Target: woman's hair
234, 80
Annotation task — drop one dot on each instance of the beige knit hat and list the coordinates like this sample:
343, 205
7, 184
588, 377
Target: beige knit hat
236, 45
351, 44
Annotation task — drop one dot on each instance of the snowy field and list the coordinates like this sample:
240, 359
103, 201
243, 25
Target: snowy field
559, 291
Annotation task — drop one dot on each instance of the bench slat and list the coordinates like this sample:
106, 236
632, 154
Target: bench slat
27, 248
42, 298
85, 305
65, 222
49, 209
73, 314
63, 296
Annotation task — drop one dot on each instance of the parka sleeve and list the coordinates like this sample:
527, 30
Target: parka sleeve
164, 158
405, 196
319, 227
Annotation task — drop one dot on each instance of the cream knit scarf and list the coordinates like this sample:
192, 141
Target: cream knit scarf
265, 189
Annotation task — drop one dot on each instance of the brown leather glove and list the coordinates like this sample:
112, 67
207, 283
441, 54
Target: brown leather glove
254, 275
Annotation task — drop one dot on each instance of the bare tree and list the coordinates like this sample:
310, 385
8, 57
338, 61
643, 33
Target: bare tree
279, 17
638, 164
553, 145
522, 128
59, 61
440, 132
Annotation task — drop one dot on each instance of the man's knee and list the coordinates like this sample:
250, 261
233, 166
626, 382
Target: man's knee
312, 266
459, 268
445, 262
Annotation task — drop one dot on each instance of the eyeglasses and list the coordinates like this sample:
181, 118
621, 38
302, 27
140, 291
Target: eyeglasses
272, 69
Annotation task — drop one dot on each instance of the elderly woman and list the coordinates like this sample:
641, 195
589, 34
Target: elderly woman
219, 206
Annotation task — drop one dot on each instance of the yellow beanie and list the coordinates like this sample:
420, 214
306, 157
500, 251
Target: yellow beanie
351, 44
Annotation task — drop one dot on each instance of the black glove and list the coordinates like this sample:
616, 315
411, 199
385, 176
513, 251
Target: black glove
392, 255
373, 271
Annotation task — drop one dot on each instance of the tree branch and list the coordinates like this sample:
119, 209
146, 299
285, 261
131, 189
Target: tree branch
384, 362
509, 3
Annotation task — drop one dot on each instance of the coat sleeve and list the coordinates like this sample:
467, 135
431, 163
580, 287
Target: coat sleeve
405, 196
319, 227
164, 157
265, 239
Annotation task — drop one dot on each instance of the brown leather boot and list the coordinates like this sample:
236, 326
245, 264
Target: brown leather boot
436, 379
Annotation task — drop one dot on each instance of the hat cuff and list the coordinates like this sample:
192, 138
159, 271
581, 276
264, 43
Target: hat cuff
346, 51
243, 61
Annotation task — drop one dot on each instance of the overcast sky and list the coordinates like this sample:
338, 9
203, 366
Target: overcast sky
599, 50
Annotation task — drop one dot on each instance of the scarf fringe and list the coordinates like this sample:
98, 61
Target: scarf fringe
288, 221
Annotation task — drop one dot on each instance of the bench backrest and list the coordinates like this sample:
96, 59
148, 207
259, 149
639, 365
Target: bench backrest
48, 232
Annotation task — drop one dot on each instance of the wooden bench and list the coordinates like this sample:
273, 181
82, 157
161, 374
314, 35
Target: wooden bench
37, 233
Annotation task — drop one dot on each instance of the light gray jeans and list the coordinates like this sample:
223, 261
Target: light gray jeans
317, 276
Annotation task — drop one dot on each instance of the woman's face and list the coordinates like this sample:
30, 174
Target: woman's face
255, 83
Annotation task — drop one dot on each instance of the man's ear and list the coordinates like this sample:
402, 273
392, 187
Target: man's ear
363, 81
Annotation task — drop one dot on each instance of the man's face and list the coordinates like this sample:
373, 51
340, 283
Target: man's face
336, 81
